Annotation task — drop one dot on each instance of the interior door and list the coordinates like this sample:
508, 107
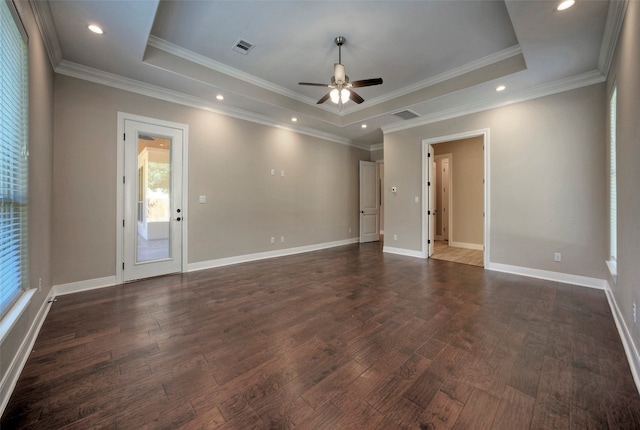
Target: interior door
431, 209
444, 212
369, 202
153, 211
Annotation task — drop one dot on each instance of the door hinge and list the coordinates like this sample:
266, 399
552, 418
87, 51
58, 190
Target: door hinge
124, 136
429, 241
123, 223
122, 266
428, 155
428, 184
428, 212
123, 179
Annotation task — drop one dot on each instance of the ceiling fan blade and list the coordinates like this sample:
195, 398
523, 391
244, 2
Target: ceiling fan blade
323, 99
313, 84
366, 82
355, 97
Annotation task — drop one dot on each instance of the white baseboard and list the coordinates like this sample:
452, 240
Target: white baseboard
566, 278
210, 264
90, 284
14, 370
625, 336
476, 246
402, 251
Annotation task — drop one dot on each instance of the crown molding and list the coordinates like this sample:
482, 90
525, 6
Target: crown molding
615, 18
376, 146
44, 21
196, 58
466, 68
116, 81
573, 82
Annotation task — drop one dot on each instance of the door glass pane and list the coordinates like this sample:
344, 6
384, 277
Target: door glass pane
153, 207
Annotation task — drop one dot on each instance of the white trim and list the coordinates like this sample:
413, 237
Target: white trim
443, 77
402, 251
15, 312
12, 374
85, 73
196, 58
629, 346
44, 20
87, 285
476, 246
376, 146
565, 278
210, 264
207, 62
485, 133
516, 96
615, 17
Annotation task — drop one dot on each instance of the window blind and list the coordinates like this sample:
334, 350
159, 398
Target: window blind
613, 198
13, 157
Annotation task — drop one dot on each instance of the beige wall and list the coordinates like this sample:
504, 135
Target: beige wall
229, 161
40, 188
467, 189
624, 73
547, 181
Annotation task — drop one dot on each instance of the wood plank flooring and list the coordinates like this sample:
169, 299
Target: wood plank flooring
345, 338
442, 251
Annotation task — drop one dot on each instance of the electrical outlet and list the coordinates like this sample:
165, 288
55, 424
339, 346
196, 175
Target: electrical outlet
557, 257
395, 237
634, 312
273, 239
281, 239
349, 229
40, 285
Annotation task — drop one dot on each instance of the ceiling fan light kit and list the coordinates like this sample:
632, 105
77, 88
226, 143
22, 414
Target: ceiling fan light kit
341, 88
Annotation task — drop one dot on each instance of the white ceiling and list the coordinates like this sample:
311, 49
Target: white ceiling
437, 58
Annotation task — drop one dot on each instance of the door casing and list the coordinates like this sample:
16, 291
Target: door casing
487, 198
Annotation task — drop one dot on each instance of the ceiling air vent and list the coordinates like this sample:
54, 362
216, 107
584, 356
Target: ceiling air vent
406, 114
243, 47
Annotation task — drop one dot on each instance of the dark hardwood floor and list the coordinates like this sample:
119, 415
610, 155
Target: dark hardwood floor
345, 338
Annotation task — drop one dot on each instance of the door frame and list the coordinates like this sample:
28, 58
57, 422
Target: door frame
425, 191
120, 173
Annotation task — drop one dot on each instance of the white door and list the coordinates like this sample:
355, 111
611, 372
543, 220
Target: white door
153, 212
369, 202
431, 209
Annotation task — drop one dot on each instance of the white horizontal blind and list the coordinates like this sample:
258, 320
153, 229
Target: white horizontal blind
613, 187
13, 158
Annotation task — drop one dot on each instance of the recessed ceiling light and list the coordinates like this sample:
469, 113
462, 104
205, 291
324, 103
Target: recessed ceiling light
220, 97
364, 126
95, 28
294, 119
500, 88
566, 4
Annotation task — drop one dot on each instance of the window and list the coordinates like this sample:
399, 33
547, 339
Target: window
613, 204
13, 157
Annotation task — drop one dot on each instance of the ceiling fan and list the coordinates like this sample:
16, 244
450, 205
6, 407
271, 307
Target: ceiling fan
341, 86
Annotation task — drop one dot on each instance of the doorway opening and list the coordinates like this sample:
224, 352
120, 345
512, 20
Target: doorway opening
455, 212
